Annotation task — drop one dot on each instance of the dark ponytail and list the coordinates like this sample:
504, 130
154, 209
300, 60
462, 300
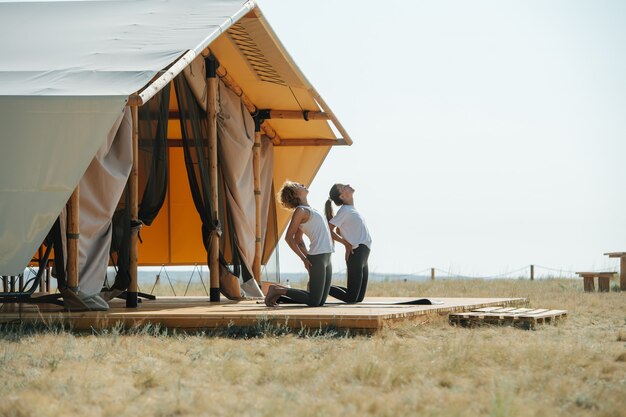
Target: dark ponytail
328, 209
333, 195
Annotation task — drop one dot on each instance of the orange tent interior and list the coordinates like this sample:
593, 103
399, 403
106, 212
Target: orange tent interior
175, 237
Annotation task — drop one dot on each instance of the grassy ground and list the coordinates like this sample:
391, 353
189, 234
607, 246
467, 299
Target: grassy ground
425, 368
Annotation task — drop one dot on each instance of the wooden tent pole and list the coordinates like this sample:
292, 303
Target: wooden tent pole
256, 168
214, 245
297, 115
133, 187
42, 280
72, 240
48, 273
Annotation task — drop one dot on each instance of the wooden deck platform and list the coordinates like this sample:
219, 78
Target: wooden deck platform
193, 313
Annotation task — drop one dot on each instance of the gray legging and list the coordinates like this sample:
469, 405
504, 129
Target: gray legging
319, 283
357, 277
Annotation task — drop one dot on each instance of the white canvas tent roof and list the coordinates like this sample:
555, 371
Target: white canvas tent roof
68, 68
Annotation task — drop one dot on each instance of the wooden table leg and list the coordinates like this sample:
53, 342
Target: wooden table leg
622, 273
604, 284
589, 285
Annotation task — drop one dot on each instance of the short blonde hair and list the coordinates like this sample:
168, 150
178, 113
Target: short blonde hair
287, 195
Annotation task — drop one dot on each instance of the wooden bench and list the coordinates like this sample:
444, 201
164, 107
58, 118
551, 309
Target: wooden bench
604, 280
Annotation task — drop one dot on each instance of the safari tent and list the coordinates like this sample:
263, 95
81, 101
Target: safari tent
170, 121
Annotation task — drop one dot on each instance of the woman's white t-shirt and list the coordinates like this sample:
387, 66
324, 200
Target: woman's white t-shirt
316, 229
352, 226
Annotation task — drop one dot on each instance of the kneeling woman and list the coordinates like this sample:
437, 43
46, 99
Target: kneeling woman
349, 228
316, 259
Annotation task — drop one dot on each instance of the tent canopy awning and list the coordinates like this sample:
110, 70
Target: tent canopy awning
68, 68
111, 47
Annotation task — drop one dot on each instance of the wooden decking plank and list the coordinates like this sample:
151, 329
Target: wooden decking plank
547, 313
197, 312
487, 309
535, 311
501, 310
520, 310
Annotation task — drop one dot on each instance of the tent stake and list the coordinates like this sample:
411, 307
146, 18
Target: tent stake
214, 245
72, 240
133, 182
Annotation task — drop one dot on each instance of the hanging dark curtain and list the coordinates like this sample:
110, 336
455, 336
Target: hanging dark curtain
196, 148
153, 173
153, 161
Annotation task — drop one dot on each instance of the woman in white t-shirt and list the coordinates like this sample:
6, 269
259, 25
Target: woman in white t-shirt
305, 220
349, 228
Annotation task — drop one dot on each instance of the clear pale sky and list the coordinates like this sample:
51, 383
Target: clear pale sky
488, 135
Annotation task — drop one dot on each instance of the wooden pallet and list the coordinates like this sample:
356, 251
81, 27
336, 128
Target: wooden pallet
527, 318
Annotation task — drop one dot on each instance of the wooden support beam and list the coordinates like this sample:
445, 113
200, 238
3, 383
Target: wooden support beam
256, 168
48, 276
214, 245
270, 133
41, 264
133, 188
325, 107
162, 79
297, 115
276, 114
72, 240
178, 143
311, 142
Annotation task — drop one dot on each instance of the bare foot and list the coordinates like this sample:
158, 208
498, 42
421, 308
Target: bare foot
271, 297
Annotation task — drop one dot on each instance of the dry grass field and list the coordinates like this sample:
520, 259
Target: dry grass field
425, 368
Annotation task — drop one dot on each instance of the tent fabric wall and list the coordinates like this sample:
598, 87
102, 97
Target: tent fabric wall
195, 74
109, 170
65, 77
235, 132
47, 144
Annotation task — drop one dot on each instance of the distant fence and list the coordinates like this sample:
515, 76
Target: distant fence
199, 273
529, 271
